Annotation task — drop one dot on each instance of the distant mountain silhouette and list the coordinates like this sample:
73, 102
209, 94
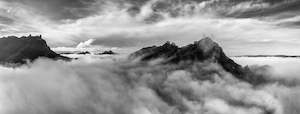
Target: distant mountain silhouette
107, 53
18, 50
199, 51
84, 53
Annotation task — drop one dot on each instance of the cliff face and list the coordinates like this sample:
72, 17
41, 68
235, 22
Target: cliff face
18, 50
200, 51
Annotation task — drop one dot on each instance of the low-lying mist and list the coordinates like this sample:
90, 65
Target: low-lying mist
118, 86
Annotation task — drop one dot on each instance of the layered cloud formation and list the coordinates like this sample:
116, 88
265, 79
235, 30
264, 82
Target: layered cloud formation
263, 24
93, 86
101, 85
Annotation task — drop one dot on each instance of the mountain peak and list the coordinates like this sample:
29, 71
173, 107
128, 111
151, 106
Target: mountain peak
206, 44
206, 40
18, 50
169, 45
203, 50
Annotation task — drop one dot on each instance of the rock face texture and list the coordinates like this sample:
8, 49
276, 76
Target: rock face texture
19, 50
200, 51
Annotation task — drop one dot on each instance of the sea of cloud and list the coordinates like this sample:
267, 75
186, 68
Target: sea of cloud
109, 85
114, 85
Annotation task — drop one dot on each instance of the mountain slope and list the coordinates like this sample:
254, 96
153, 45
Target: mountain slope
204, 50
18, 50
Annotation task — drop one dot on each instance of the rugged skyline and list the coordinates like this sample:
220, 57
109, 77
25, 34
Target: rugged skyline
149, 57
243, 27
167, 79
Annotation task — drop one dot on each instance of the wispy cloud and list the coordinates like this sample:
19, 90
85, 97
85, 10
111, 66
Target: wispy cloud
115, 25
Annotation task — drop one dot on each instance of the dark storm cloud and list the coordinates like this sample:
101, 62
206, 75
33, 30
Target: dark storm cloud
291, 24
75, 9
275, 8
58, 9
6, 20
222, 8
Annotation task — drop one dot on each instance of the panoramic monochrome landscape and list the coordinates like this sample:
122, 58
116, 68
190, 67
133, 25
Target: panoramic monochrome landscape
149, 57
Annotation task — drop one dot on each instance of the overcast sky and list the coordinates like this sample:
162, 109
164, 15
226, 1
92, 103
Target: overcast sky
239, 26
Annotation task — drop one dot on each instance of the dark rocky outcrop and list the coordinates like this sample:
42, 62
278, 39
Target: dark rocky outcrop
200, 51
20, 50
107, 53
84, 53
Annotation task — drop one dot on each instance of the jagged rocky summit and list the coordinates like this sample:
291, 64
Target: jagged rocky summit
20, 50
204, 50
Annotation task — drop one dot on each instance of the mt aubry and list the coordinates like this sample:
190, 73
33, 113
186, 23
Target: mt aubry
204, 50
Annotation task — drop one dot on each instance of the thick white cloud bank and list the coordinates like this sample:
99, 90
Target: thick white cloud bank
106, 85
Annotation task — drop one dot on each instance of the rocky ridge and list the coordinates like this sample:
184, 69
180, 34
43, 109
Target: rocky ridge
20, 50
204, 50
